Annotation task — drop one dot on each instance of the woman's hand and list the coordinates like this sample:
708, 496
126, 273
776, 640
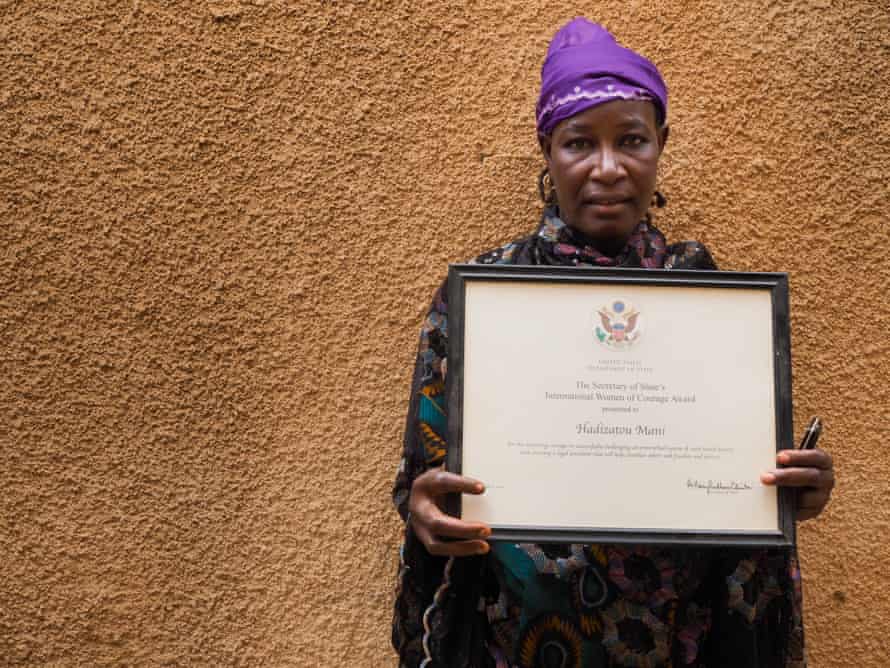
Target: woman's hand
433, 527
812, 471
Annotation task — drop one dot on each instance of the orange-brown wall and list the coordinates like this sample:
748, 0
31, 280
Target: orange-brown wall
220, 224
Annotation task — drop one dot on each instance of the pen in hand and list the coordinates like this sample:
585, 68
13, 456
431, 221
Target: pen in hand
811, 435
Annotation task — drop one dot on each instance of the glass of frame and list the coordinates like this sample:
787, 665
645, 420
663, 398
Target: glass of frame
620, 405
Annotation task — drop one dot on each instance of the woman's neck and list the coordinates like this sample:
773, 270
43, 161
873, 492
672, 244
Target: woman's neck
609, 247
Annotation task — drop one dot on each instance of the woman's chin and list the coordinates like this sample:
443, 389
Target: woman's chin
604, 232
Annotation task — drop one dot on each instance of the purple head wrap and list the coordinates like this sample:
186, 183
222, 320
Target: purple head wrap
584, 67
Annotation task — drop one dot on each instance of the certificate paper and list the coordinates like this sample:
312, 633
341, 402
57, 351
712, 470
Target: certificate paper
622, 405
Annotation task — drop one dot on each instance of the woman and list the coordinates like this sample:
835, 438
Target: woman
601, 120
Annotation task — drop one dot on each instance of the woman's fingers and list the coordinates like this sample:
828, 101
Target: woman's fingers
805, 458
441, 533
811, 472
439, 524
433, 528
801, 468
447, 526
437, 482
799, 477
461, 548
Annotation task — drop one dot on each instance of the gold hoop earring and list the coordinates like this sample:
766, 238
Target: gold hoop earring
545, 186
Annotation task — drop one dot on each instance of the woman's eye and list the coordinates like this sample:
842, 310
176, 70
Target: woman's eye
577, 144
634, 140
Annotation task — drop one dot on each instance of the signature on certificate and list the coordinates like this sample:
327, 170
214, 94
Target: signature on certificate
719, 486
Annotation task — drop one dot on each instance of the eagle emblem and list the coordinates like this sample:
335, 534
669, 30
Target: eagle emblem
619, 324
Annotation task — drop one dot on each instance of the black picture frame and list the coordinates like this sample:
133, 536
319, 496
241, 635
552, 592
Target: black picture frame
460, 275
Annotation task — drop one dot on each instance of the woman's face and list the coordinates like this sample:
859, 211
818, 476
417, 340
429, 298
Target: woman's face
603, 164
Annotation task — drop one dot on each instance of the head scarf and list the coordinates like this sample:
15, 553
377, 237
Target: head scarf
584, 67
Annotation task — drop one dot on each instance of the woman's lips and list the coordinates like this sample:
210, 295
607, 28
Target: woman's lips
606, 205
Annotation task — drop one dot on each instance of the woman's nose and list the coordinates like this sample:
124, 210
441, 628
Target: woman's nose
607, 166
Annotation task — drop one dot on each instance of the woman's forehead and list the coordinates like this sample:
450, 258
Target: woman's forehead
615, 114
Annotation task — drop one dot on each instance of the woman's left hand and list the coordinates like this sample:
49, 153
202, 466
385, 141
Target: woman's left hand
811, 471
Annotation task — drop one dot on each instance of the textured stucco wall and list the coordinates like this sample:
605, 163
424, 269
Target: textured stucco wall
220, 223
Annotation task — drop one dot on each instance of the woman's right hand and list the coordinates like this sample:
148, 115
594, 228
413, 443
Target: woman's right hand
442, 534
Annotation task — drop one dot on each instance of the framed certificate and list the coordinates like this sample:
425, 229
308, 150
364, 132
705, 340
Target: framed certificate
620, 405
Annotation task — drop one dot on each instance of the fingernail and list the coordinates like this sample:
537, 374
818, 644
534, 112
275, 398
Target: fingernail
480, 488
485, 549
485, 533
768, 478
783, 458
